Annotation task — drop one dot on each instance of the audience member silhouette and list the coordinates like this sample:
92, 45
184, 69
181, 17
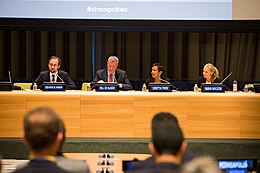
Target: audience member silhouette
43, 137
167, 146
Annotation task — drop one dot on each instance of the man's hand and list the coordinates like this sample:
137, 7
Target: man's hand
100, 81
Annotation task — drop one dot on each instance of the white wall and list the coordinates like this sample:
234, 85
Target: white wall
246, 9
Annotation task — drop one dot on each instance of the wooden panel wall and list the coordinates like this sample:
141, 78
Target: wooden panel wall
128, 114
12, 109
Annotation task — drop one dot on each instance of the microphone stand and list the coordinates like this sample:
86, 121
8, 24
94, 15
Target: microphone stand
164, 80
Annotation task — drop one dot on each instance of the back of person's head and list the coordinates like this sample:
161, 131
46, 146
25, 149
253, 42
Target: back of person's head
202, 164
214, 70
113, 59
62, 130
41, 128
160, 67
167, 137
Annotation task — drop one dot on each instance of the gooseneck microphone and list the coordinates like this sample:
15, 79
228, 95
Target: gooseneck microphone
164, 80
115, 81
10, 79
226, 77
60, 78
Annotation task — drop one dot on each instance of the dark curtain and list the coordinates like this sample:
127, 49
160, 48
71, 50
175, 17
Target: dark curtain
26, 53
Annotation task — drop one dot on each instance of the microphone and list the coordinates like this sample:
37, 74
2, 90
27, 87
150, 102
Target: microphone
10, 79
226, 77
119, 84
60, 78
93, 86
164, 80
115, 81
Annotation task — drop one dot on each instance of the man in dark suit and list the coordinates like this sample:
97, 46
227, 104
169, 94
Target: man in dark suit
167, 147
112, 74
54, 75
72, 165
42, 135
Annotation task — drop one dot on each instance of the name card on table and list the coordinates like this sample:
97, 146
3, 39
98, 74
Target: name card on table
108, 86
214, 87
163, 87
238, 165
49, 86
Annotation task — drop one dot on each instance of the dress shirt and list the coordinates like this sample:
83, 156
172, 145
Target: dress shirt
55, 76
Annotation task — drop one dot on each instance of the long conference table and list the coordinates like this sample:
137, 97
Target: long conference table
128, 114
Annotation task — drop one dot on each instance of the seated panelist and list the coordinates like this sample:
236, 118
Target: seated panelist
54, 75
112, 74
210, 75
157, 75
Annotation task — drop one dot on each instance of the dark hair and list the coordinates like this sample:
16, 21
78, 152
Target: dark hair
160, 67
55, 57
167, 136
62, 130
41, 127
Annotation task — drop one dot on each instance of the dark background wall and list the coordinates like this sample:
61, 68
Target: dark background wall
26, 52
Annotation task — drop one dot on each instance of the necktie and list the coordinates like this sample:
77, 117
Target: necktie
53, 78
110, 78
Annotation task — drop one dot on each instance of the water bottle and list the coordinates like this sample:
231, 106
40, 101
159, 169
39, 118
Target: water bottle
235, 86
34, 86
246, 88
88, 88
196, 88
144, 87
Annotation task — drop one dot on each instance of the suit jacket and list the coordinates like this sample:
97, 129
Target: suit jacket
45, 77
163, 167
76, 166
150, 162
203, 80
41, 167
120, 77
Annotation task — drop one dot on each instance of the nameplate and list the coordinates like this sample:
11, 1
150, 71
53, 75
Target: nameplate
110, 87
48, 86
214, 87
163, 87
6, 86
257, 87
240, 165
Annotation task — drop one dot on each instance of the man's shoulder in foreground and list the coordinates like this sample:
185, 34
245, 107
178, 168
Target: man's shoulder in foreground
77, 166
41, 167
163, 167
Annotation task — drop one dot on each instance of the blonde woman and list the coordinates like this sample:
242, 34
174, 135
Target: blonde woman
210, 75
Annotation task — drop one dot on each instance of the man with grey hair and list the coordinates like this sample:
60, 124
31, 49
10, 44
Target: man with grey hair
112, 74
